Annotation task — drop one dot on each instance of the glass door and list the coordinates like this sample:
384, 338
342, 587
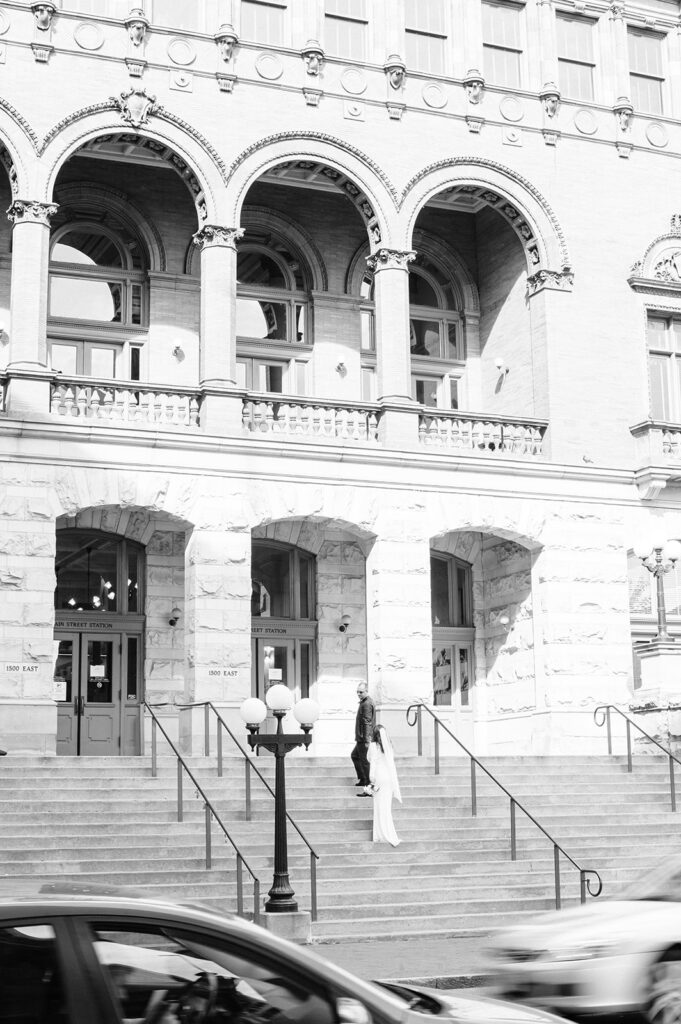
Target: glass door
88, 690
452, 676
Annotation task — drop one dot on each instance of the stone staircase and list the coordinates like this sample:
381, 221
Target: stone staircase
108, 821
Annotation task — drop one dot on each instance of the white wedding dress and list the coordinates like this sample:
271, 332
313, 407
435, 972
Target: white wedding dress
383, 778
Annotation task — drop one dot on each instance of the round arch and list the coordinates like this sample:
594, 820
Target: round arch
504, 190
443, 253
90, 197
354, 173
192, 156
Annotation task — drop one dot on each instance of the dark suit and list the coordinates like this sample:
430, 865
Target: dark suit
365, 723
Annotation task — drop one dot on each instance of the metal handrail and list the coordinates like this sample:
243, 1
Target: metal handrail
210, 812
414, 717
249, 766
604, 710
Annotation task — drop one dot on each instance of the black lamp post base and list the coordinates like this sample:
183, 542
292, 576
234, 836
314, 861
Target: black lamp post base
281, 896
281, 906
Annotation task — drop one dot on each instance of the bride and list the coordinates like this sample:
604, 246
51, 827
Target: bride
384, 786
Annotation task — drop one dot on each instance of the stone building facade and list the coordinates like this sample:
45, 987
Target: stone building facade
339, 342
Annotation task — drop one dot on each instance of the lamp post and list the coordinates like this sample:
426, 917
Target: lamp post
659, 557
253, 712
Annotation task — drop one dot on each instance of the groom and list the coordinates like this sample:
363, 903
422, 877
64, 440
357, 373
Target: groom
365, 723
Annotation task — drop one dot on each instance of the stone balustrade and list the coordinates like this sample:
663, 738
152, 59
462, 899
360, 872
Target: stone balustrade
498, 435
323, 420
137, 404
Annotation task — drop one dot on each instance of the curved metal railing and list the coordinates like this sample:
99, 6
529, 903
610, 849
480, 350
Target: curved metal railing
210, 813
604, 711
248, 768
414, 717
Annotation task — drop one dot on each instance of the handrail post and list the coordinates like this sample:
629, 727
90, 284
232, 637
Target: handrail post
513, 836
179, 791
256, 901
556, 871
436, 737
582, 887
206, 730
629, 765
313, 887
607, 721
208, 837
474, 795
419, 730
154, 765
219, 748
247, 768
239, 887
672, 784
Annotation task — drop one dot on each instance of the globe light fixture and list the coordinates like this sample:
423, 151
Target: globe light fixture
659, 556
253, 712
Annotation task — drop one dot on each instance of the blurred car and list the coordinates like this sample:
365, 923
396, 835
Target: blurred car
607, 956
105, 959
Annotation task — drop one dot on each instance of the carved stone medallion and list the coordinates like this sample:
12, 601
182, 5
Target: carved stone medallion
135, 105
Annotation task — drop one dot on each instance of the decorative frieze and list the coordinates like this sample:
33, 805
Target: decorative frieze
212, 235
29, 211
390, 259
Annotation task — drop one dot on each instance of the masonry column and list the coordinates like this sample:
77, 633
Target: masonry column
218, 621
547, 42
28, 391
399, 418
398, 621
220, 406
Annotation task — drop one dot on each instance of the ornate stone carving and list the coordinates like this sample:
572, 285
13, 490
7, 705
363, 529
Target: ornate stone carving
30, 211
212, 235
312, 96
42, 52
43, 14
135, 67
474, 84
624, 113
475, 124
395, 71
396, 110
390, 259
226, 40
135, 105
550, 99
669, 267
617, 10
225, 82
313, 55
557, 280
137, 25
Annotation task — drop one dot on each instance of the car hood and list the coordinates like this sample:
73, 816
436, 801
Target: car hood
596, 918
493, 1011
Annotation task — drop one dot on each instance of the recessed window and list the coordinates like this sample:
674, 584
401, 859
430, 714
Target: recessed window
282, 582
501, 42
425, 36
98, 572
646, 74
451, 603
264, 21
345, 28
576, 62
664, 361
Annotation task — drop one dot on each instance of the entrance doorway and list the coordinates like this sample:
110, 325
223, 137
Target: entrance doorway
97, 677
286, 660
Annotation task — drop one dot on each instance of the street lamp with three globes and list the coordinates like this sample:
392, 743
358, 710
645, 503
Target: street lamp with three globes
659, 557
279, 700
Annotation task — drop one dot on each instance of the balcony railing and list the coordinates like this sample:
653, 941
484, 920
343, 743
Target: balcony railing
321, 420
133, 403
475, 432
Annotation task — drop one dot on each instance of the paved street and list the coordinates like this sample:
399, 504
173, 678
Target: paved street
447, 961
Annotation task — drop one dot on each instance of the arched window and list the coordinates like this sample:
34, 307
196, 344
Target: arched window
436, 334
97, 302
451, 604
282, 582
273, 330
98, 572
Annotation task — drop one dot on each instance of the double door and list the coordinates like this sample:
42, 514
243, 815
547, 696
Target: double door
286, 660
97, 686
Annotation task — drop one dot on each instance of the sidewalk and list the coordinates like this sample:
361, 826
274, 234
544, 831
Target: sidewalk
443, 962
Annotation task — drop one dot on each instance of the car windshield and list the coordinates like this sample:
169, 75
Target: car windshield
662, 882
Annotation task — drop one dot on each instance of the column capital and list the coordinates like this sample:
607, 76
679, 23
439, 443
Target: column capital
617, 10
215, 235
390, 259
29, 211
